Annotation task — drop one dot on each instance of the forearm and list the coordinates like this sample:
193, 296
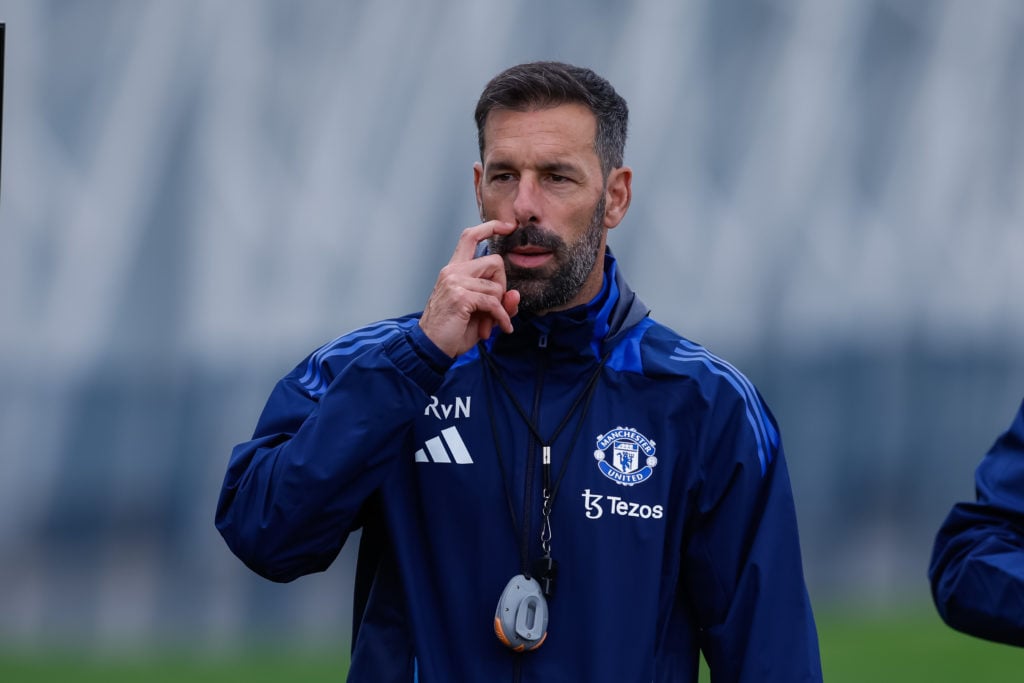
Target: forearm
977, 565
977, 573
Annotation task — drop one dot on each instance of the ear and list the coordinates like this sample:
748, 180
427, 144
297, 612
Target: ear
478, 174
618, 194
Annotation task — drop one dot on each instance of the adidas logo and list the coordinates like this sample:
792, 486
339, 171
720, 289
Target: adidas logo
456, 450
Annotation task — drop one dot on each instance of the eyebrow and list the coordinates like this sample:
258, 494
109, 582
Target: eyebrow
555, 167
561, 168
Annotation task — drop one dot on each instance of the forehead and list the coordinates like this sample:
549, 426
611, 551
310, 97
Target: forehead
565, 129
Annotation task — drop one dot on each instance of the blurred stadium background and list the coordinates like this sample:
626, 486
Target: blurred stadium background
195, 194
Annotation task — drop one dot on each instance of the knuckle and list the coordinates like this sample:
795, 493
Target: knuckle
447, 273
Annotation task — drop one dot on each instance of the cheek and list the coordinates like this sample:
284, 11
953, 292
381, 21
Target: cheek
582, 218
494, 205
489, 211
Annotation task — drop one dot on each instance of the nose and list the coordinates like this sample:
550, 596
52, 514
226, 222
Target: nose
526, 205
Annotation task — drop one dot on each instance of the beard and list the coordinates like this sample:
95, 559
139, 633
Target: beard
552, 286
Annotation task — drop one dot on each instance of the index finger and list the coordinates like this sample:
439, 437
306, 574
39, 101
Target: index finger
471, 237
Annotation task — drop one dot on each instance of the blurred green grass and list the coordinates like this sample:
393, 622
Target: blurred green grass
863, 646
249, 666
909, 646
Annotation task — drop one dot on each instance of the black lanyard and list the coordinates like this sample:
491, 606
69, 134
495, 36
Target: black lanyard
546, 567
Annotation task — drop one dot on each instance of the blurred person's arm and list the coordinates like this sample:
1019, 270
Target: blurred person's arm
977, 566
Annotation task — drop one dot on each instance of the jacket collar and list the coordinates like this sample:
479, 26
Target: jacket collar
589, 329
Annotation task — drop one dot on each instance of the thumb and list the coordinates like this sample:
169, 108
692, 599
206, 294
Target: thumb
510, 302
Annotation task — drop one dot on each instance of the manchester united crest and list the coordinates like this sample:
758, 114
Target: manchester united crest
625, 456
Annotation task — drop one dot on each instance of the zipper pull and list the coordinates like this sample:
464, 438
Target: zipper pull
542, 342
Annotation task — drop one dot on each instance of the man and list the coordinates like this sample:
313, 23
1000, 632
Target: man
550, 485
977, 567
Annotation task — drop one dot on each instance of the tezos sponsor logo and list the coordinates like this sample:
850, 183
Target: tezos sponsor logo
593, 508
622, 464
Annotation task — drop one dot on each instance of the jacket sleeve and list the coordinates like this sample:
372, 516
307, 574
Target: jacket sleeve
327, 439
977, 564
744, 570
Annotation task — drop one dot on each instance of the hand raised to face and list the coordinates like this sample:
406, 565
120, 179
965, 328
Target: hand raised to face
470, 295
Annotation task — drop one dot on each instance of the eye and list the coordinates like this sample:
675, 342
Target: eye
502, 178
557, 179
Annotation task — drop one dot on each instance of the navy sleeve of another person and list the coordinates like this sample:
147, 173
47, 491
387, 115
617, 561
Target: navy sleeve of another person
977, 566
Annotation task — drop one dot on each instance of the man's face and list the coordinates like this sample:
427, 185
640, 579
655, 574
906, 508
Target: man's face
540, 171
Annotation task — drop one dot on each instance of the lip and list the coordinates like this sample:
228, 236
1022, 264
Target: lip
529, 258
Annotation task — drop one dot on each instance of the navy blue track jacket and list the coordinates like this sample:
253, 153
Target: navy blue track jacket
672, 524
977, 567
